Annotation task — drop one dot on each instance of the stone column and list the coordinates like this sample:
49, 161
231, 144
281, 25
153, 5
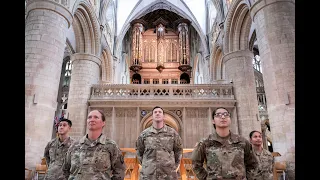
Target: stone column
45, 37
85, 72
275, 29
239, 69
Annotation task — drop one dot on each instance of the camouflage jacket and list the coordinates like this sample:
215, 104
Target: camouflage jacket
55, 152
230, 159
160, 153
265, 169
95, 160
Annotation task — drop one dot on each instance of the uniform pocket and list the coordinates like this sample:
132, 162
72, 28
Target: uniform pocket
102, 159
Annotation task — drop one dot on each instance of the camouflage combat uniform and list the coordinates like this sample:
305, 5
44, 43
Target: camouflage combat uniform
94, 160
225, 159
54, 153
160, 153
265, 169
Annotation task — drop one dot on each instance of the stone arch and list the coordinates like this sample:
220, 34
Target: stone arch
86, 28
217, 70
127, 63
107, 21
237, 26
103, 10
170, 119
164, 5
125, 72
106, 66
252, 40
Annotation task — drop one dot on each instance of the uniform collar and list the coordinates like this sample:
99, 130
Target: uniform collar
233, 138
263, 152
66, 141
163, 129
101, 139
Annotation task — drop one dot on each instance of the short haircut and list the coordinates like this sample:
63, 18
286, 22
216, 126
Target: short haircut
214, 112
102, 114
251, 133
156, 108
67, 120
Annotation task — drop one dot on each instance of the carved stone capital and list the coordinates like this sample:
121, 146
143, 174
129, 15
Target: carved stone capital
60, 8
257, 5
87, 57
235, 54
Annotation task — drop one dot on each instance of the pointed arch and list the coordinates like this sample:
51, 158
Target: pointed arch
237, 26
163, 5
108, 22
217, 64
126, 68
106, 66
198, 69
86, 28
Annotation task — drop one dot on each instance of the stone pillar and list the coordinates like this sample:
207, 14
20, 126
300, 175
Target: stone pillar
239, 69
45, 37
275, 29
85, 72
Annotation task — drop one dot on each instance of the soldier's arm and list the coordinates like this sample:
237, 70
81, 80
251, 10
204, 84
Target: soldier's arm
178, 150
250, 160
117, 163
198, 158
67, 163
140, 148
46, 153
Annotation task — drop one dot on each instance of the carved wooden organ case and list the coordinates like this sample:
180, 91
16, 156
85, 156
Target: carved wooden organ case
160, 55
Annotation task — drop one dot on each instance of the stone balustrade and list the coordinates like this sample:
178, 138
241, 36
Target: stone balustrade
162, 91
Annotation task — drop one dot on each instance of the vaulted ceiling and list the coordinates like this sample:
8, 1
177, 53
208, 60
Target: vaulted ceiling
166, 15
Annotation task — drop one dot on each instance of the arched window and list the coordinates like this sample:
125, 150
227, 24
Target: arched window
67, 74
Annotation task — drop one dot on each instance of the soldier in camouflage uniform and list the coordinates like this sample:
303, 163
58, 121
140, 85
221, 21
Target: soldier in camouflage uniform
224, 154
94, 156
56, 150
159, 149
265, 158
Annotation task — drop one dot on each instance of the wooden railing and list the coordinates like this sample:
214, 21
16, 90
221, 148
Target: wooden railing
133, 167
28, 175
279, 167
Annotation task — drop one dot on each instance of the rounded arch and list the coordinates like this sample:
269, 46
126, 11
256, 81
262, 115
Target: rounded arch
237, 26
165, 5
136, 78
184, 77
86, 28
170, 119
106, 66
